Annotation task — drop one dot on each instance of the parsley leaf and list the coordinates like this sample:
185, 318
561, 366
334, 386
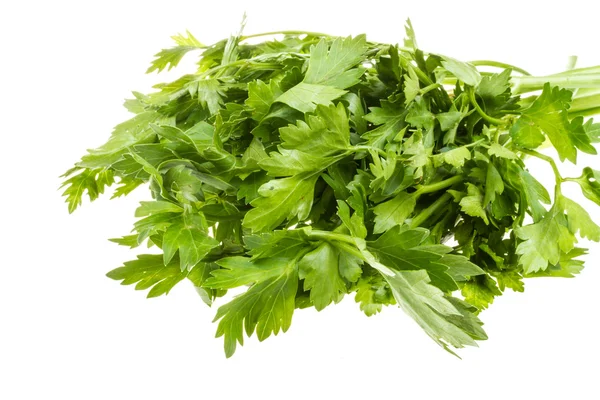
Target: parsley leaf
548, 115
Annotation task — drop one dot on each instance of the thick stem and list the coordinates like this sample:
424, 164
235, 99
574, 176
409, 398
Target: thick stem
569, 80
429, 211
491, 120
434, 187
585, 105
580, 71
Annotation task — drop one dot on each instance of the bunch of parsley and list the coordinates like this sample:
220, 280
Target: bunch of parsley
312, 167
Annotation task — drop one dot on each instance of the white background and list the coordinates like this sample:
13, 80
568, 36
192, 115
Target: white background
68, 332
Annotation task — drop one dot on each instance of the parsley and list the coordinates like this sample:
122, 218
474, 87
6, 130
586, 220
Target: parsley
313, 167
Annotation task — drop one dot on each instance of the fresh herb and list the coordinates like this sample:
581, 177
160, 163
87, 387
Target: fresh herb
312, 167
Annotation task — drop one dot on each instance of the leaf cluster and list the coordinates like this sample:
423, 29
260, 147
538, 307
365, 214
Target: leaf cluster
312, 167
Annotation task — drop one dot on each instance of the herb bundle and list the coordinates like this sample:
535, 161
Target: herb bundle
312, 167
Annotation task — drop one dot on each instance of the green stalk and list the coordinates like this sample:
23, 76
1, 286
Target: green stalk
434, 187
558, 177
580, 71
370, 148
490, 63
491, 120
429, 211
283, 33
585, 105
330, 236
524, 84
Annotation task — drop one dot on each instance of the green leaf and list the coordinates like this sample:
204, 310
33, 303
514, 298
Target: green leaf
527, 134
304, 152
403, 250
321, 274
305, 96
455, 157
480, 291
592, 130
332, 66
198, 275
357, 112
472, 204
463, 71
533, 192
190, 237
89, 181
449, 123
544, 242
149, 272
355, 223
411, 85
391, 118
459, 267
267, 308
209, 93
548, 114
286, 243
261, 96
248, 189
154, 224
567, 267
240, 271
350, 266
281, 199
125, 135
410, 41
419, 115
493, 184
130, 241
501, 151
286, 162
428, 306
126, 186
590, 184
373, 292
578, 220
324, 133
492, 87
169, 58
510, 279
394, 212
156, 207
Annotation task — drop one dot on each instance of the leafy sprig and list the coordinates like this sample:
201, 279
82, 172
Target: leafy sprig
310, 167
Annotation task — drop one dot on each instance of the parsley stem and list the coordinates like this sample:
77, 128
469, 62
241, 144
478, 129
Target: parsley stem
434, 187
440, 96
524, 84
430, 88
579, 71
429, 211
284, 33
549, 160
368, 148
325, 235
490, 63
423, 77
475, 143
351, 249
585, 105
491, 120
